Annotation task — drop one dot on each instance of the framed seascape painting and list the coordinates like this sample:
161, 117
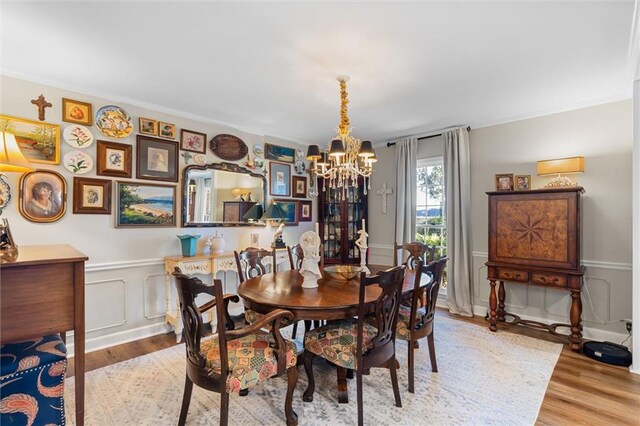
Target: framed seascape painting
38, 141
290, 209
43, 196
145, 205
114, 159
91, 196
193, 141
157, 159
279, 153
77, 112
279, 179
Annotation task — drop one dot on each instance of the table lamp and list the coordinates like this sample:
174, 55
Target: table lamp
560, 167
275, 214
254, 214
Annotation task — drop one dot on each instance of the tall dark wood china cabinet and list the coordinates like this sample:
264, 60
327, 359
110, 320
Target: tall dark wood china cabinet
340, 220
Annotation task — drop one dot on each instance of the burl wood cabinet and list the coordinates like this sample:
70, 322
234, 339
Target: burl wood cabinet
534, 238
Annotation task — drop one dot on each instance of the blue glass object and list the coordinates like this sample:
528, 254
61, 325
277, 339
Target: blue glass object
189, 243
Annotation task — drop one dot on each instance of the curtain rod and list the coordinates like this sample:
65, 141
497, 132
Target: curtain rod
425, 137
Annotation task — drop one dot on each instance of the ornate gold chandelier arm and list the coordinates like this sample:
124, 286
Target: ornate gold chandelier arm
344, 118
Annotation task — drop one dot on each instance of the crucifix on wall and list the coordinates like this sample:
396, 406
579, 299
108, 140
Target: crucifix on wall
384, 192
41, 103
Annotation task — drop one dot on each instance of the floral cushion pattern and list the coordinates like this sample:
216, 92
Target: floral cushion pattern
251, 359
404, 316
252, 316
337, 341
32, 381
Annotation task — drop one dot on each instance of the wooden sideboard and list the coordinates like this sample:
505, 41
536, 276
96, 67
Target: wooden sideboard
205, 264
534, 239
42, 292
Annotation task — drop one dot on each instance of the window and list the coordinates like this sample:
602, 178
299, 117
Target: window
430, 206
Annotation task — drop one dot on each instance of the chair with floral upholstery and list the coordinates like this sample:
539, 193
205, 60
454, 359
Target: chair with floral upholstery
415, 321
231, 359
353, 344
415, 252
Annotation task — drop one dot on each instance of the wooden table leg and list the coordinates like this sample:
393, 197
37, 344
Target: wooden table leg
343, 392
501, 296
492, 306
78, 340
575, 338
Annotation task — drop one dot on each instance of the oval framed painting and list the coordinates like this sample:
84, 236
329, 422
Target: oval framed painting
228, 147
43, 196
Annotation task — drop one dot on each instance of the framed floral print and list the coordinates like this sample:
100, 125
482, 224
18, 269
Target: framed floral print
193, 141
91, 196
145, 205
38, 141
114, 159
43, 196
304, 211
147, 126
166, 130
299, 184
279, 179
156, 159
77, 112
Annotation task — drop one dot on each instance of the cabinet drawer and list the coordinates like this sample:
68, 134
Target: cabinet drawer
549, 279
513, 275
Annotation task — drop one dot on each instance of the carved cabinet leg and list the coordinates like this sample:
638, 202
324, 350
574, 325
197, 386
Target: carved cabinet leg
492, 306
575, 338
501, 297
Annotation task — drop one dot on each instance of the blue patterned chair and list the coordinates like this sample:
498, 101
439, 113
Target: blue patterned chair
32, 381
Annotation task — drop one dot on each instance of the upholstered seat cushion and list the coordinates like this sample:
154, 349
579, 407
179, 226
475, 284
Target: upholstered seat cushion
252, 316
404, 316
251, 359
337, 340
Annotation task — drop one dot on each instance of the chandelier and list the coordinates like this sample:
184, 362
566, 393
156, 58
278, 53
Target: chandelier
346, 158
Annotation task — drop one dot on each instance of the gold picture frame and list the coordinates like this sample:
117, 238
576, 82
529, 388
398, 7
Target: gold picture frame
504, 182
43, 196
166, 130
77, 112
38, 141
147, 126
522, 182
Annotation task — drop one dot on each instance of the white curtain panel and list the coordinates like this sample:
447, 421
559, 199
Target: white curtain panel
406, 187
457, 182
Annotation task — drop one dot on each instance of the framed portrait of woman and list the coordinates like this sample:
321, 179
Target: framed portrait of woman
43, 196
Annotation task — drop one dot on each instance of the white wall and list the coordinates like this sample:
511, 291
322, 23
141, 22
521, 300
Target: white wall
125, 283
602, 134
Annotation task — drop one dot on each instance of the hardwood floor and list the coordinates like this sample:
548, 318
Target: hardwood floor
581, 390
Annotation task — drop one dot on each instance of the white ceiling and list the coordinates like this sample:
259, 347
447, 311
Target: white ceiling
270, 68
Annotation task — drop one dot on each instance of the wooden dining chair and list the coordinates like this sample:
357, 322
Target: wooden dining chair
415, 251
353, 344
250, 264
231, 359
415, 321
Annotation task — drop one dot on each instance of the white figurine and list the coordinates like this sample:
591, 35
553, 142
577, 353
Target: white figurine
310, 244
361, 242
277, 237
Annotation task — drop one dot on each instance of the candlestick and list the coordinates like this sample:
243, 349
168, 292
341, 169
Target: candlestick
363, 224
317, 229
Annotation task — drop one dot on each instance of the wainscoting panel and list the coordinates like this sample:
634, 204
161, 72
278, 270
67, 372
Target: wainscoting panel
101, 293
154, 296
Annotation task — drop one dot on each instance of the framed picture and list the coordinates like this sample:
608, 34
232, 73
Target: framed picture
279, 153
91, 196
193, 141
77, 112
304, 211
156, 159
504, 182
299, 184
279, 179
523, 182
43, 196
166, 130
145, 205
114, 159
290, 209
38, 141
147, 126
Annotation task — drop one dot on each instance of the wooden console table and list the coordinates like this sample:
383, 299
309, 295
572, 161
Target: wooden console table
534, 238
42, 292
206, 264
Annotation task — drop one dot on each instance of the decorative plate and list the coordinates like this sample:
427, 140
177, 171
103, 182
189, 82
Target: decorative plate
258, 163
200, 159
299, 153
258, 149
78, 162
78, 136
228, 147
113, 121
5, 194
300, 167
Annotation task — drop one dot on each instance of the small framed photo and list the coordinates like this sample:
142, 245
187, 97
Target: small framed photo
114, 159
504, 182
147, 126
299, 184
156, 159
38, 141
279, 153
193, 141
304, 211
290, 209
43, 196
279, 179
77, 112
523, 182
91, 196
145, 205
166, 130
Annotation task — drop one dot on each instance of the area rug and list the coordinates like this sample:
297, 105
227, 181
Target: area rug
484, 378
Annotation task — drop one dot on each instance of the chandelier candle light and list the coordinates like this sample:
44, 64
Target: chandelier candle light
347, 158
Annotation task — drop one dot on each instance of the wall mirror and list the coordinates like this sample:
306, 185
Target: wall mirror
220, 194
